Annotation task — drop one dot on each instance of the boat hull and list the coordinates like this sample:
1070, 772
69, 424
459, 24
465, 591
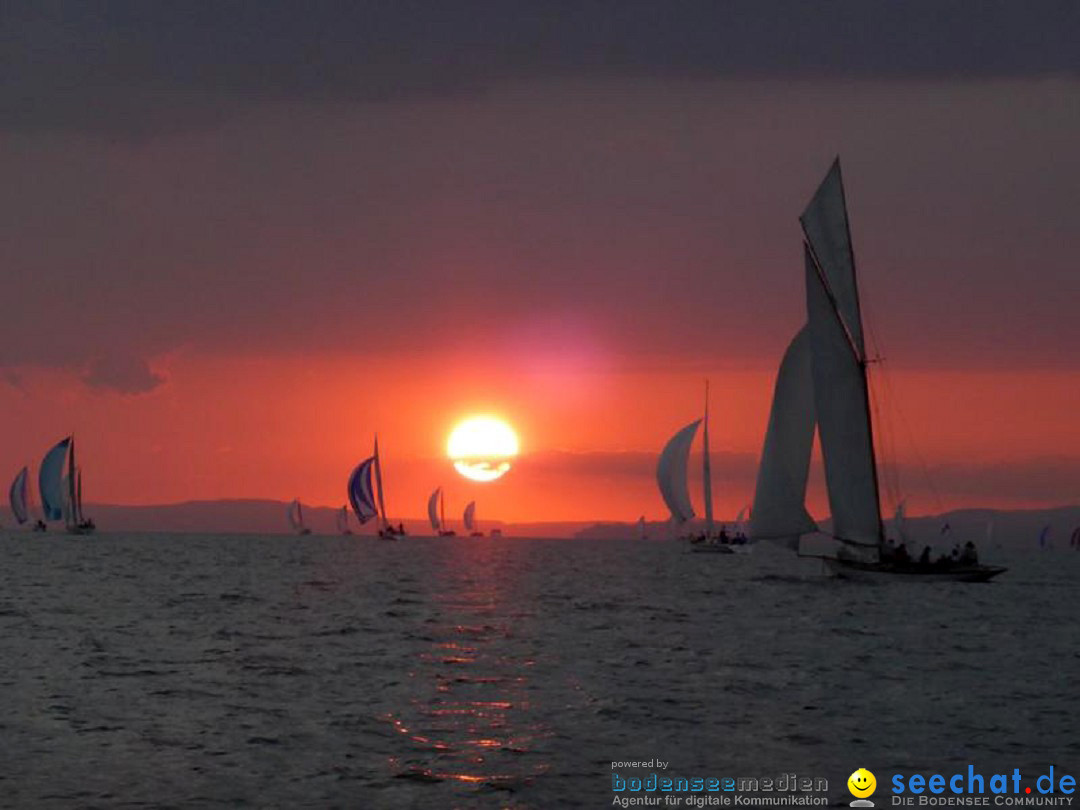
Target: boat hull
875, 572
711, 548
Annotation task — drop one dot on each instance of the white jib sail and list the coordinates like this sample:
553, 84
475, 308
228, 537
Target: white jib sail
470, 516
671, 473
779, 510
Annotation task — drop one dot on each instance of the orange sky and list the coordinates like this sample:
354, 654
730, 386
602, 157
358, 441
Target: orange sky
229, 300
293, 426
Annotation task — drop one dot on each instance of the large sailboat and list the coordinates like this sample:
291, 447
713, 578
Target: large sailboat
469, 519
61, 492
436, 510
365, 490
671, 479
822, 381
295, 514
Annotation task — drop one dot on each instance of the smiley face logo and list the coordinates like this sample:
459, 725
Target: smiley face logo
861, 783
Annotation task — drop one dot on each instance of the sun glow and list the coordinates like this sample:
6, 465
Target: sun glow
482, 447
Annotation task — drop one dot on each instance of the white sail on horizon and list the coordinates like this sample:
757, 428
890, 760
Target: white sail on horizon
343, 521
433, 510
295, 515
17, 497
469, 517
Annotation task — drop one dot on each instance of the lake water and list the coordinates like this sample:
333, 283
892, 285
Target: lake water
213, 671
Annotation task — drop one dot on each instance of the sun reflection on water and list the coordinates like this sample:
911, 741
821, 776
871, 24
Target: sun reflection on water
469, 718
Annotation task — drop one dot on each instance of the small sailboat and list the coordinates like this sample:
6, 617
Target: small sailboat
61, 493
822, 380
671, 479
1074, 541
365, 490
19, 499
469, 519
295, 513
436, 510
1044, 537
343, 521
641, 532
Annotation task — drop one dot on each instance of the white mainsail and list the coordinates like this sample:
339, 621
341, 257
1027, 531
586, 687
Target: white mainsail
17, 497
779, 511
433, 510
843, 415
671, 473
828, 236
469, 517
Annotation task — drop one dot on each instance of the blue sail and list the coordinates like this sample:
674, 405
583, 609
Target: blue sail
49, 483
361, 495
17, 496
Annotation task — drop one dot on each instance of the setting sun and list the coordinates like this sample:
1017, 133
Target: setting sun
481, 447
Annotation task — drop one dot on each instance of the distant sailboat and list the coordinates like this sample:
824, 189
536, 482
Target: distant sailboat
671, 472
1044, 537
295, 514
343, 521
61, 493
822, 380
17, 497
365, 492
900, 521
436, 510
469, 519
671, 479
641, 533
1074, 541
671, 475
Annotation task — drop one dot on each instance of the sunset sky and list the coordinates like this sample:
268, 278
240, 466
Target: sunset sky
239, 241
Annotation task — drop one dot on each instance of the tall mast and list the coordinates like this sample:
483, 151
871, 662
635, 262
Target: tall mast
72, 484
706, 468
862, 359
378, 483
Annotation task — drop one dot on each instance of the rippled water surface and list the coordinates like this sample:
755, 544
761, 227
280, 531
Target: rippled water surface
200, 671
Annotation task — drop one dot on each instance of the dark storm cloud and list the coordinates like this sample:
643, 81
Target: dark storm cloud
123, 374
135, 68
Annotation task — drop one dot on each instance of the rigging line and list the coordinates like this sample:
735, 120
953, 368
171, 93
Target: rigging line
893, 402
889, 455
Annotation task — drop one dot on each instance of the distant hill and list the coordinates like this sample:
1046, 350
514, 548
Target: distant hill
262, 517
1013, 529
